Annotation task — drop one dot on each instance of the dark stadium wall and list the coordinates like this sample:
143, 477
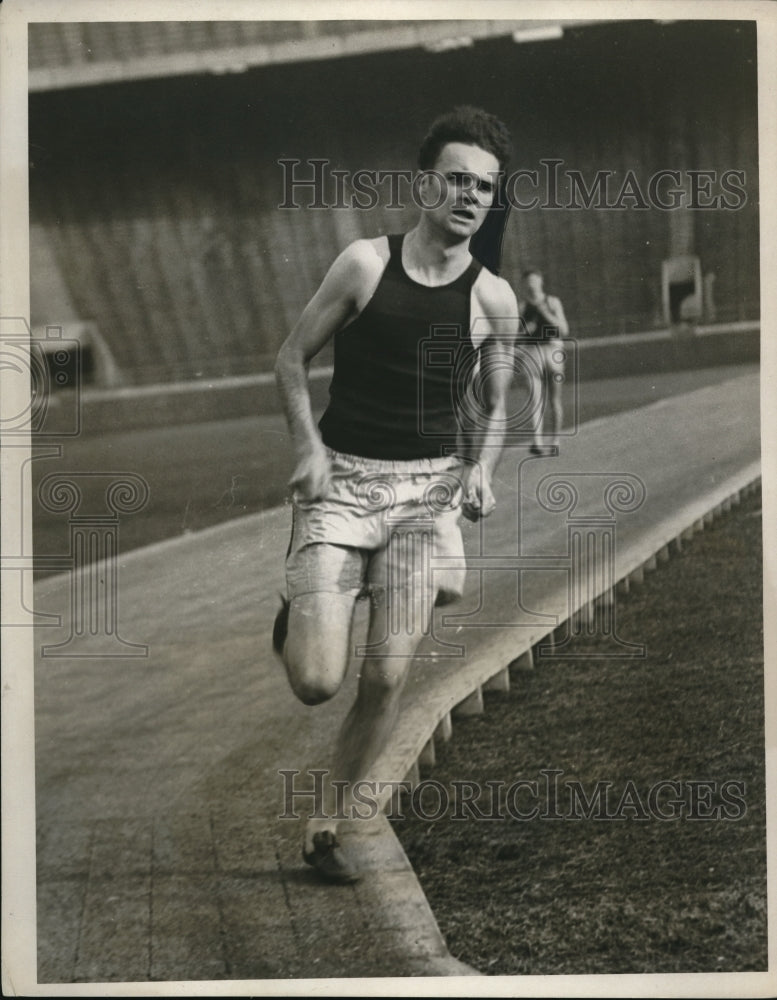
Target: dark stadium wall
160, 199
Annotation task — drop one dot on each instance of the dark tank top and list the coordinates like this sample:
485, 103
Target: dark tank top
534, 324
401, 367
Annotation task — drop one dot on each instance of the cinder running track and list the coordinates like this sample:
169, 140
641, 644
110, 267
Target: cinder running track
160, 852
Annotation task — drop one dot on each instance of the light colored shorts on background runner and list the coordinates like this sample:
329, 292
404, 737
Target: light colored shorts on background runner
541, 357
382, 524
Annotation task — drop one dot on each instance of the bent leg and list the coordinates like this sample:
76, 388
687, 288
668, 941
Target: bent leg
323, 582
317, 648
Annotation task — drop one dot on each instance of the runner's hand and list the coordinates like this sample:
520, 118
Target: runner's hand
311, 478
478, 497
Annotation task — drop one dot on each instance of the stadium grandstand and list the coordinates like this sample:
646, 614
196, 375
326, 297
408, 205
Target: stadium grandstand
162, 229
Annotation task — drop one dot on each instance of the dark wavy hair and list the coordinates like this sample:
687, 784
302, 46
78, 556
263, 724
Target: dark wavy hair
469, 125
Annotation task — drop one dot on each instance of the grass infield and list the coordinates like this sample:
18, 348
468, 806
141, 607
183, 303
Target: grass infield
656, 878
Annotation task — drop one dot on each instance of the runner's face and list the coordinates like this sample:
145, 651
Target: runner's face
460, 189
532, 287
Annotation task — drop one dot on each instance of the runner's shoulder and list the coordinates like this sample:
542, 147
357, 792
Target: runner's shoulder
362, 261
495, 295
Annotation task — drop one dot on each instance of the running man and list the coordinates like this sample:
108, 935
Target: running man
544, 323
379, 475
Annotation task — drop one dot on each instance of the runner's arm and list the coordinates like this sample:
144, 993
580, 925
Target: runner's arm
331, 307
496, 373
553, 312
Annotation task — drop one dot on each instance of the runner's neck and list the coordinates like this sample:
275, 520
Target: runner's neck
430, 261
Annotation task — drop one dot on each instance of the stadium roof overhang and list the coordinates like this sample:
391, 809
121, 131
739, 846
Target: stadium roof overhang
77, 54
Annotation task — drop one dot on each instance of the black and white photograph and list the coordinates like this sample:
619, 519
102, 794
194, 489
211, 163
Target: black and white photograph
387, 434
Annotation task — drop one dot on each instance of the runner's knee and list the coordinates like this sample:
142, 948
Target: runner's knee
383, 679
313, 676
313, 690
316, 653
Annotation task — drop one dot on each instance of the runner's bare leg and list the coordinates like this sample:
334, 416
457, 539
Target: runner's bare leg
373, 715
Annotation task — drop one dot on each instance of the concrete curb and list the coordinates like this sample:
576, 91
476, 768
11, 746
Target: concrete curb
391, 887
